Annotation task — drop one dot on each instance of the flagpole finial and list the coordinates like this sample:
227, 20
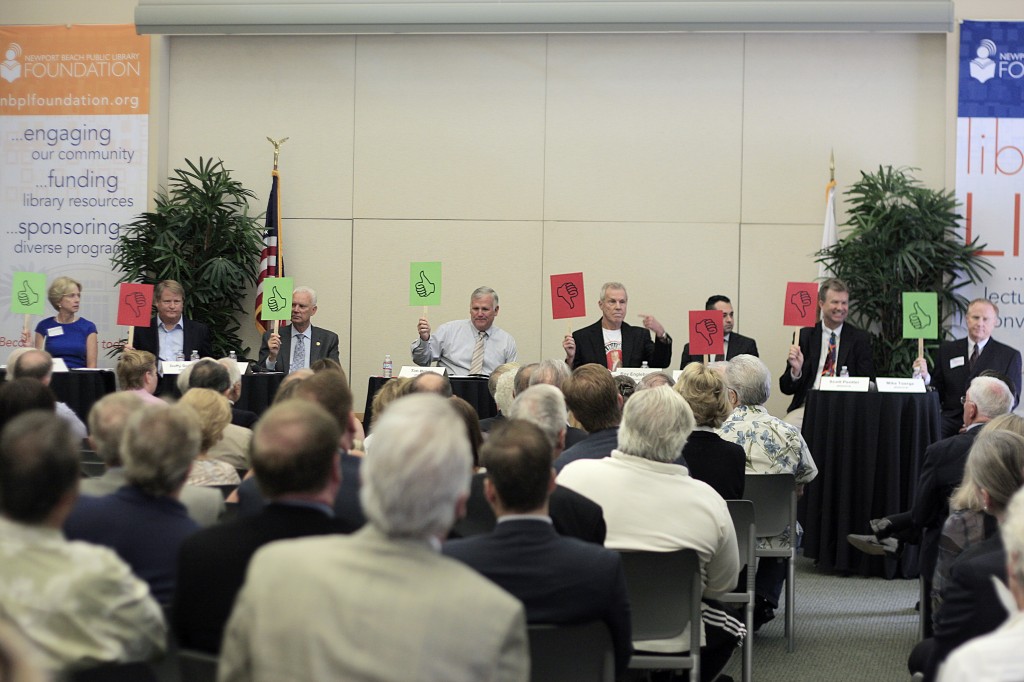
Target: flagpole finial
277, 148
831, 165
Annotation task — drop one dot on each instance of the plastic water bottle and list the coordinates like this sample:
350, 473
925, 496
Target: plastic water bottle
844, 372
233, 356
387, 368
195, 356
180, 356
643, 365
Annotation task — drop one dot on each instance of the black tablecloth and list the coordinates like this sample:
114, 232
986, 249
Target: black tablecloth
471, 389
257, 390
868, 448
79, 388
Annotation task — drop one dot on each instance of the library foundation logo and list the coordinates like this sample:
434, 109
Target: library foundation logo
10, 68
983, 67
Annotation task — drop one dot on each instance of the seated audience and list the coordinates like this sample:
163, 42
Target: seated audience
432, 382
625, 385
144, 522
382, 604
500, 400
233, 446
239, 417
295, 459
137, 374
38, 365
107, 420
22, 395
78, 605
554, 373
708, 457
653, 380
652, 504
560, 580
996, 656
591, 395
214, 413
472, 420
772, 447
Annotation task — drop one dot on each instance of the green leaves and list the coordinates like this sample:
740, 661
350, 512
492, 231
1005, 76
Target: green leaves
200, 234
902, 237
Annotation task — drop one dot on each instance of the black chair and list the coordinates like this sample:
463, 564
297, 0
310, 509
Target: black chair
742, 513
665, 589
582, 653
197, 666
115, 672
774, 498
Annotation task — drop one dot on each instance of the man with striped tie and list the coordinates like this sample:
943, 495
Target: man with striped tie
825, 349
463, 347
300, 344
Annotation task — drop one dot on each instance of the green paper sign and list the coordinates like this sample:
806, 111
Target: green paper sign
920, 315
425, 283
28, 293
277, 298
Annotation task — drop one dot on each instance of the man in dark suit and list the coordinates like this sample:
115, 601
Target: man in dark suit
560, 580
295, 458
960, 361
276, 349
595, 402
827, 347
170, 332
572, 513
612, 343
735, 343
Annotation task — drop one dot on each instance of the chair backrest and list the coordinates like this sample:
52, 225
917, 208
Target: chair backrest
197, 666
115, 672
664, 592
581, 653
774, 498
742, 513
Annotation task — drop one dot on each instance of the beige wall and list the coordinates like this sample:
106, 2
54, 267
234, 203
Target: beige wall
682, 165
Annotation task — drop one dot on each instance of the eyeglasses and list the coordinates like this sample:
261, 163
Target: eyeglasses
964, 400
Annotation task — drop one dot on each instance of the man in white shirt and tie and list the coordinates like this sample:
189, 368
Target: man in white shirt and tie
465, 347
299, 344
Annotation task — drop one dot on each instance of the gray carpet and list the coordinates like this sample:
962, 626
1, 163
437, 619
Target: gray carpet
846, 629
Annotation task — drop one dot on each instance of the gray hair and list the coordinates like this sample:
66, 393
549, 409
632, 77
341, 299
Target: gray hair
1012, 530
995, 463
749, 377
480, 292
991, 396
158, 446
416, 468
552, 372
655, 379
306, 290
655, 425
612, 285
499, 371
503, 393
544, 406
234, 374
182, 381
107, 420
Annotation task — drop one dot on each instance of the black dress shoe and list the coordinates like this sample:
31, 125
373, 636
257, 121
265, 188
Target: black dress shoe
882, 528
763, 612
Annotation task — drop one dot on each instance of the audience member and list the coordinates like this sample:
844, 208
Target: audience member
708, 457
472, 420
170, 335
385, 588
652, 504
552, 372
625, 385
612, 343
559, 580
958, 362
655, 379
137, 374
232, 447
22, 395
772, 447
591, 395
144, 522
239, 417
523, 376
301, 344
473, 346
431, 382
214, 414
38, 365
735, 343
502, 400
78, 604
107, 420
295, 457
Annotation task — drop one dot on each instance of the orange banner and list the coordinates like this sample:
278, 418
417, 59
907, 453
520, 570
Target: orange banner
55, 70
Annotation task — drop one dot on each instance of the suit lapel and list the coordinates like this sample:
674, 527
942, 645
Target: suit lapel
815, 349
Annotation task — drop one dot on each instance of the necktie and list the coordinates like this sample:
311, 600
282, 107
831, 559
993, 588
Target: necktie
974, 359
477, 365
829, 370
299, 353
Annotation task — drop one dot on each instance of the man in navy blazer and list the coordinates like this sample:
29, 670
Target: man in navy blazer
170, 331
954, 367
809, 359
560, 580
612, 343
735, 343
276, 348
295, 458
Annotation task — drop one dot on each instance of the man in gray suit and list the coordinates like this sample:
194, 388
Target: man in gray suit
106, 424
382, 604
300, 344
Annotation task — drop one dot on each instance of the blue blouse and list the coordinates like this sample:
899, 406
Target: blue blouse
68, 344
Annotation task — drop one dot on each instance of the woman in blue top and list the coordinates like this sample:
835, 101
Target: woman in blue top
66, 335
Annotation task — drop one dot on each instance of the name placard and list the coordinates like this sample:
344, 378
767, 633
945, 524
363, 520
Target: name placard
59, 366
850, 384
173, 366
900, 385
416, 370
634, 373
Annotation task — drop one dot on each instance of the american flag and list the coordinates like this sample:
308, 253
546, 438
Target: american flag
272, 258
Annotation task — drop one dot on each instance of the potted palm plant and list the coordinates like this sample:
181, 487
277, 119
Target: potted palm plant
901, 237
202, 235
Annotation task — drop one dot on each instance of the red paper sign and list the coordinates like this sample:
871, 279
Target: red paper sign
706, 334
801, 304
567, 299
134, 302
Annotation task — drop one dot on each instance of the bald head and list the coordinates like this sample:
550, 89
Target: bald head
34, 364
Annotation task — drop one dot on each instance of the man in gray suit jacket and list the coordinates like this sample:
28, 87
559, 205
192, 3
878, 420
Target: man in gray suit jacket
106, 424
382, 604
276, 349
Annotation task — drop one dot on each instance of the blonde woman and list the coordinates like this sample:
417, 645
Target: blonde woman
66, 335
214, 412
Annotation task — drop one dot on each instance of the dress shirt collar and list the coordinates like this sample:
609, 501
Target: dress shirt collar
306, 504
525, 517
980, 344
